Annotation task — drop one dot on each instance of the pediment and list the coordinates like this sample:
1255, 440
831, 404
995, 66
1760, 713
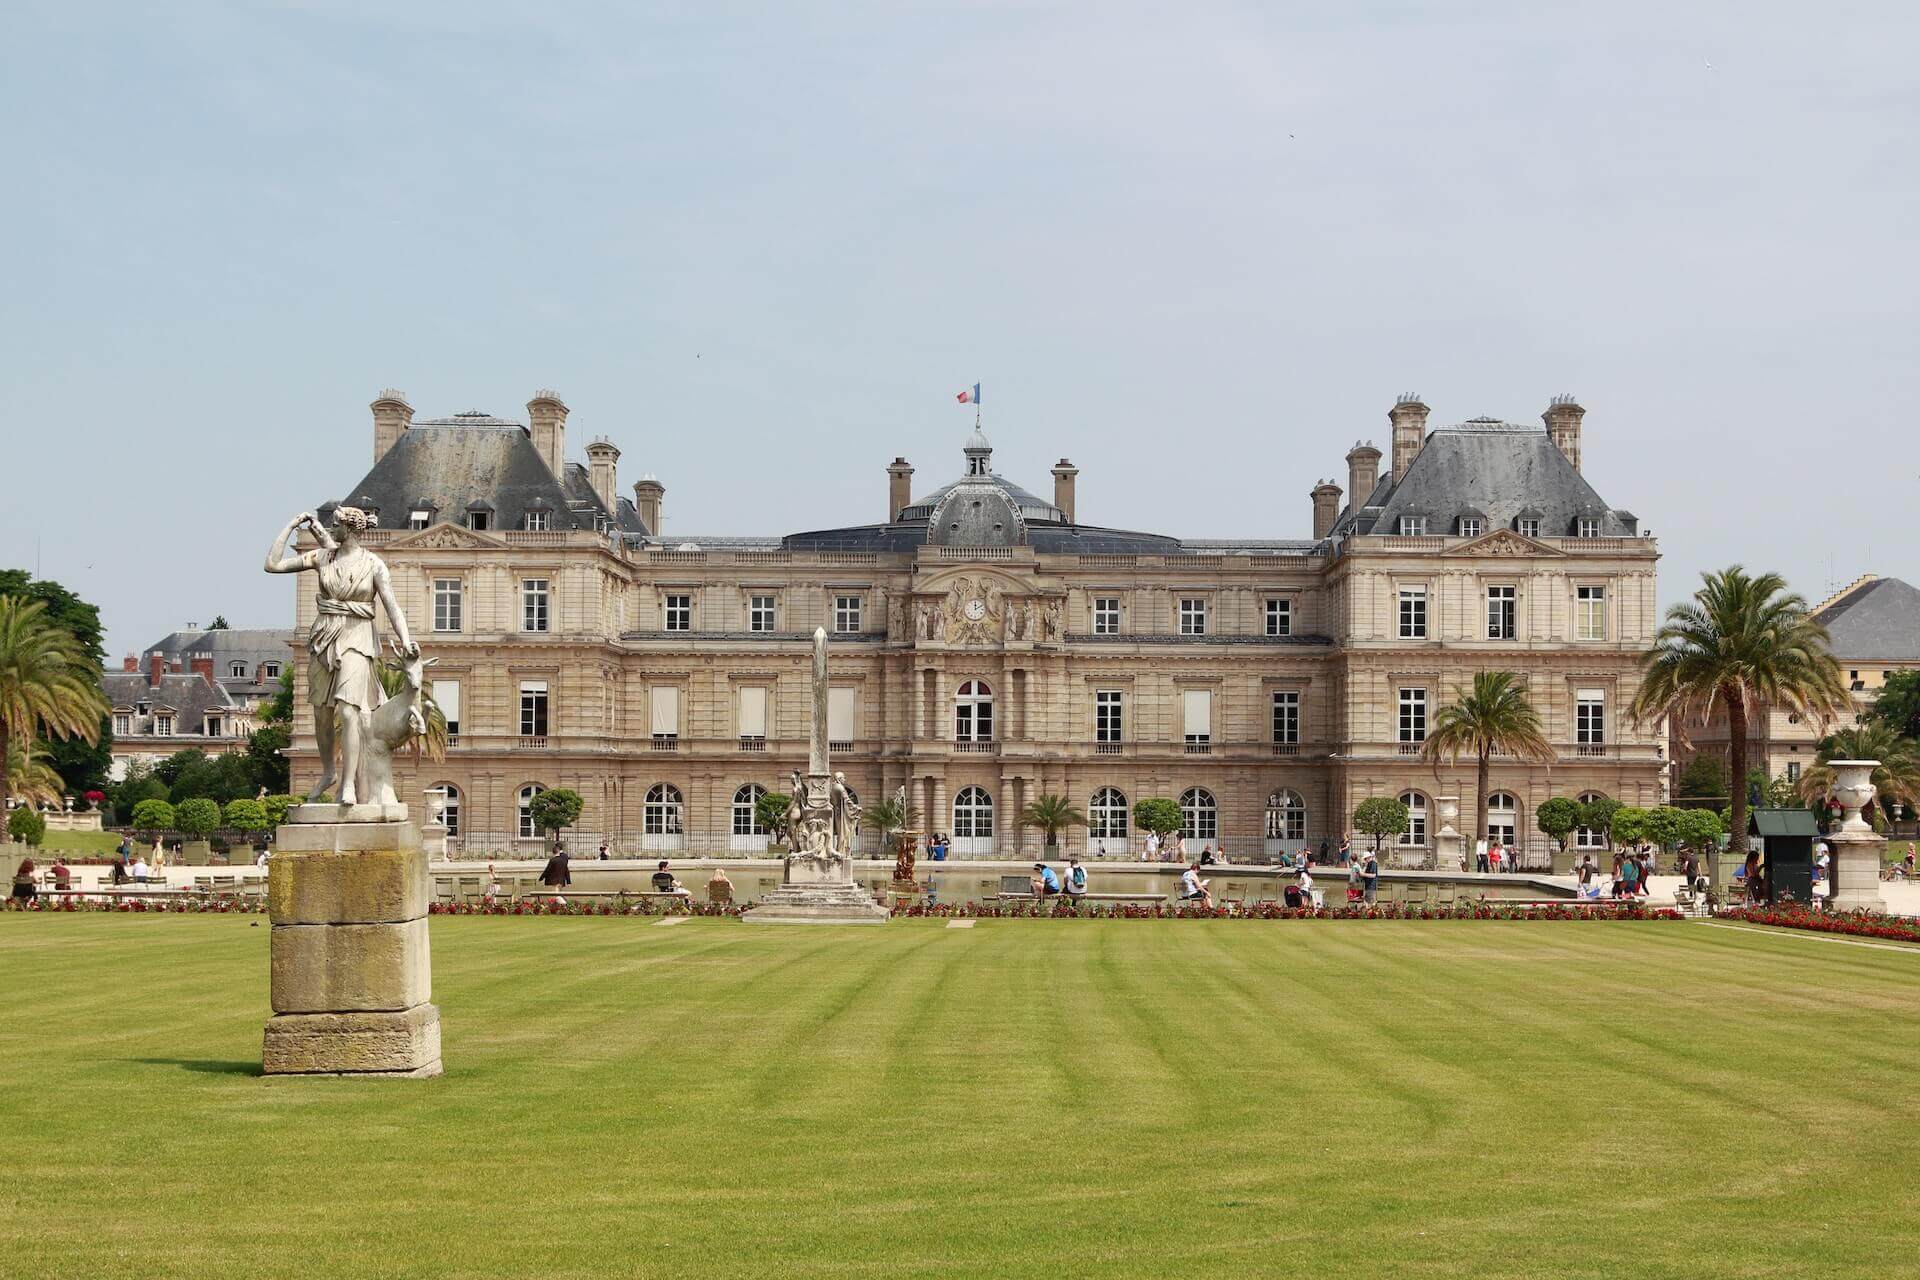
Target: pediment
1505, 542
445, 537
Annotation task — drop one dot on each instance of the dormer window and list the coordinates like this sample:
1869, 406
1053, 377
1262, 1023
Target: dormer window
537, 521
237, 669
419, 519
1586, 527
1413, 526
1471, 526
479, 519
1527, 526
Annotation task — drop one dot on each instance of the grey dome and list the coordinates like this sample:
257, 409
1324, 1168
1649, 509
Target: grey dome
976, 513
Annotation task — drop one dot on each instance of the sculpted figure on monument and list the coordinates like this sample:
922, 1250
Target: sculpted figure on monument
846, 814
342, 684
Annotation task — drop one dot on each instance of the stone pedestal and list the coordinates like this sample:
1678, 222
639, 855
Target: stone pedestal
1446, 841
1855, 869
351, 976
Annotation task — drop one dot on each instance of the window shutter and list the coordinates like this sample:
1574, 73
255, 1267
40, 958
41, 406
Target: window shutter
533, 686
840, 715
446, 696
1198, 707
666, 710
753, 711
1590, 695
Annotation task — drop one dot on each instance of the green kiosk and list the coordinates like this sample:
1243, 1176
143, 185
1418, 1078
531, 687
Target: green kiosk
1786, 849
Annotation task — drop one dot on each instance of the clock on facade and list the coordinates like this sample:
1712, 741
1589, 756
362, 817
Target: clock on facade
976, 609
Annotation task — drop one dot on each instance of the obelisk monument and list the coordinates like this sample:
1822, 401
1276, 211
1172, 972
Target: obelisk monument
819, 829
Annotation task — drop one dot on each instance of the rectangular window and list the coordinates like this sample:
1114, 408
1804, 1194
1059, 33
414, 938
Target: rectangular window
846, 614
760, 613
840, 706
533, 708
1413, 613
122, 725
213, 726
1109, 716
448, 604
1286, 717
1413, 526
446, 696
163, 726
533, 604
1196, 708
1106, 615
1590, 717
1500, 613
666, 713
1279, 617
1793, 771
419, 519
1193, 617
1470, 527
482, 520
1590, 612
678, 613
753, 715
1528, 526
1413, 715
1588, 527
536, 522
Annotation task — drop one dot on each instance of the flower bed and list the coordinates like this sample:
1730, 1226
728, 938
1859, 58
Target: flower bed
194, 906
559, 907
1059, 909
1856, 924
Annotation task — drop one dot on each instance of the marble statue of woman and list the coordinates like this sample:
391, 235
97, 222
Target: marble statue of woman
342, 684
846, 813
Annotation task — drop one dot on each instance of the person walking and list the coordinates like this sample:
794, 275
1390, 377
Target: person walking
1369, 878
556, 875
1480, 861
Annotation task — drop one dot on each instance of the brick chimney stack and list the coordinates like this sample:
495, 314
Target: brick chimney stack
1563, 417
1063, 474
1326, 508
201, 664
129, 663
603, 472
1363, 472
547, 423
156, 667
647, 493
392, 416
899, 487
1409, 418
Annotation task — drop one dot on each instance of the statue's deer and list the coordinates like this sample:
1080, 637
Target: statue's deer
390, 726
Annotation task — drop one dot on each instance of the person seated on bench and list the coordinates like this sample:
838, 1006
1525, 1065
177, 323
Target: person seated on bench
140, 870
663, 882
1193, 888
719, 887
24, 889
1295, 898
62, 876
1046, 881
1076, 885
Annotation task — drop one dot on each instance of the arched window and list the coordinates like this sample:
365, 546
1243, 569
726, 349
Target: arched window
1286, 816
660, 815
972, 814
1416, 832
527, 830
1107, 815
973, 712
1503, 817
746, 813
1199, 814
1584, 838
450, 806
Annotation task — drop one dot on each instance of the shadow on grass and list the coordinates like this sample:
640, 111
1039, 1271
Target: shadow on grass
205, 1066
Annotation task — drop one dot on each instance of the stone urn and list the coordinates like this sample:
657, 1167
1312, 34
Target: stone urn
1853, 788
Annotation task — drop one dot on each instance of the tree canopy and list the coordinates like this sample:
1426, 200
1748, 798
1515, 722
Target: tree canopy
1379, 817
83, 764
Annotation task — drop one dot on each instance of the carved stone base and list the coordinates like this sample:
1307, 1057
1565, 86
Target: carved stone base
820, 903
301, 814
400, 1043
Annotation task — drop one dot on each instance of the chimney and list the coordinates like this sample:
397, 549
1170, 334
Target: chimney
130, 663
1326, 508
603, 469
547, 423
201, 664
1563, 417
156, 667
392, 415
899, 488
647, 493
1409, 418
1363, 472
1063, 474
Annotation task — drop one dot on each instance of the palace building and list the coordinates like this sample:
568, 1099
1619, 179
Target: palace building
987, 648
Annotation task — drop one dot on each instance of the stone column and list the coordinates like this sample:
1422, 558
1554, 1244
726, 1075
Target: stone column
1855, 871
350, 980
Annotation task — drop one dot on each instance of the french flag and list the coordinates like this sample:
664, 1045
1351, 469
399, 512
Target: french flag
971, 395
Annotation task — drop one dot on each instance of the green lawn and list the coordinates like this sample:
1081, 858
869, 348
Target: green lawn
1043, 1099
97, 844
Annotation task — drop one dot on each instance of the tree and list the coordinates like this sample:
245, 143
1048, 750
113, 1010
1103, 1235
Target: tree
1052, 814
556, 810
1662, 826
1559, 817
1159, 816
1897, 779
219, 623
196, 817
1704, 776
1495, 716
1742, 645
770, 810
885, 816
31, 772
276, 807
249, 816
1897, 703
48, 685
1380, 816
279, 708
1629, 824
1596, 815
26, 826
153, 817
83, 764
1700, 829
266, 756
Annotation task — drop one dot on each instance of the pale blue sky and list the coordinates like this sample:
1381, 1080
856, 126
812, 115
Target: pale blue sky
1199, 248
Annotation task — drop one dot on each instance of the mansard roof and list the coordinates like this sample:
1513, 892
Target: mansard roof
1502, 469
1878, 618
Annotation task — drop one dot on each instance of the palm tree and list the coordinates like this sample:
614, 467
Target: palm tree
1744, 644
1495, 716
30, 773
888, 816
1052, 814
48, 685
1897, 778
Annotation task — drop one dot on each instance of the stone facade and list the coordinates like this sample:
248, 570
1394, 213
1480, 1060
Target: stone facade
987, 650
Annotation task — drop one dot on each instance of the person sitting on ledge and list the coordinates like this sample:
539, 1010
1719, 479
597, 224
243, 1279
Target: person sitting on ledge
663, 882
62, 876
1076, 885
1046, 881
1193, 888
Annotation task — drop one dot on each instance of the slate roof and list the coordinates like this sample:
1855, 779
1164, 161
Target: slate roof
1879, 618
1489, 468
188, 696
446, 465
228, 645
